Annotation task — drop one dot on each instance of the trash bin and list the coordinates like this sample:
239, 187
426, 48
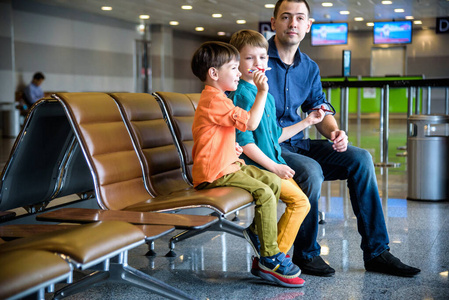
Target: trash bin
428, 157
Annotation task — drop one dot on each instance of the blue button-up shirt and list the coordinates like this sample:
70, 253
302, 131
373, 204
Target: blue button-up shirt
33, 93
267, 134
294, 87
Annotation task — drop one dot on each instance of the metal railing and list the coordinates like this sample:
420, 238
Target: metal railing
414, 89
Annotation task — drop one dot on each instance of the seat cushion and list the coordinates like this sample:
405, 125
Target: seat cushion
224, 199
24, 269
84, 243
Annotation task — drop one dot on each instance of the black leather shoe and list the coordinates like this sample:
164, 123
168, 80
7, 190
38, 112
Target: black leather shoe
314, 266
389, 264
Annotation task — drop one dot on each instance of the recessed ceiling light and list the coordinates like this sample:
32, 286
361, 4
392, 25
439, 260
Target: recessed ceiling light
344, 12
144, 17
409, 17
312, 20
106, 8
327, 4
174, 23
399, 10
221, 33
241, 21
358, 19
199, 28
217, 15
370, 24
387, 2
417, 22
269, 5
186, 7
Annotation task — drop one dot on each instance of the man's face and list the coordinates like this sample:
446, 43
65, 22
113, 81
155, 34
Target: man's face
292, 23
38, 82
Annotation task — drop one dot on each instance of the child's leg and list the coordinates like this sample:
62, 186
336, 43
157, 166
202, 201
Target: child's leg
297, 208
253, 180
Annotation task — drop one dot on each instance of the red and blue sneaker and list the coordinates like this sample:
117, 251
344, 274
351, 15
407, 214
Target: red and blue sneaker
280, 270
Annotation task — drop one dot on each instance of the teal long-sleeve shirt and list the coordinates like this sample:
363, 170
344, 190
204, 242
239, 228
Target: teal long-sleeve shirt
267, 134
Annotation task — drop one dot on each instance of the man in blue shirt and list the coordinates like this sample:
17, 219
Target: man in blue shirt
295, 84
33, 91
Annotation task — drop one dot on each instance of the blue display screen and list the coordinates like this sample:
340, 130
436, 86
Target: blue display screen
329, 34
397, 32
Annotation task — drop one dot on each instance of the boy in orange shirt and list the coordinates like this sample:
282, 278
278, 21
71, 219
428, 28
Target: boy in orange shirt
215, 159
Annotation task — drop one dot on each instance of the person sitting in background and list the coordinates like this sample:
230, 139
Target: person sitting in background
33, 91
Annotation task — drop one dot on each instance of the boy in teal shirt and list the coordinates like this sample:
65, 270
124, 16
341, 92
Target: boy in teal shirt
261, 146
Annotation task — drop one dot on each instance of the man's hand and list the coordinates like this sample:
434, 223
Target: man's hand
238, 149
340, 140
283, 171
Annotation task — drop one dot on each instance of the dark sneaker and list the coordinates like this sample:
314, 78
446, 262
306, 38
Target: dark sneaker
280, 270
389, 264
253, 240
314, 266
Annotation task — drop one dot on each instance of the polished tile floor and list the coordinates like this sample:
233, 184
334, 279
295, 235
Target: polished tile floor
216, 265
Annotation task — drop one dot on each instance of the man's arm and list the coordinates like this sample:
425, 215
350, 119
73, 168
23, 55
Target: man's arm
329, 128
255, 154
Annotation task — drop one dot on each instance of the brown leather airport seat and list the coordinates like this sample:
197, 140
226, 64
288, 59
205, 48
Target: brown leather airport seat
29, 272
45, 158
110, 154
100, 244
163, 167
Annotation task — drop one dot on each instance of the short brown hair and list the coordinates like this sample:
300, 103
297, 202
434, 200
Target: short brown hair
248, 37
276, 7
212, 55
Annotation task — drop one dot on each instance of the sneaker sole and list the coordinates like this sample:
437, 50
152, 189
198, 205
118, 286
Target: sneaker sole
281, 280
245, 234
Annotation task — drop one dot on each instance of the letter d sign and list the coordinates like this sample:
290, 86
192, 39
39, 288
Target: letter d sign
442, 25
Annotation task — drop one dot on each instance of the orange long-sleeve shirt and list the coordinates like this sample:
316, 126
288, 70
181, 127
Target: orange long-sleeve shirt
214, 124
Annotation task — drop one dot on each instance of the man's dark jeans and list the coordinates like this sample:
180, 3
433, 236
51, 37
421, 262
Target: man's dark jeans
321, 163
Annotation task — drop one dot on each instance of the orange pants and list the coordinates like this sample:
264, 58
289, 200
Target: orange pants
297, 209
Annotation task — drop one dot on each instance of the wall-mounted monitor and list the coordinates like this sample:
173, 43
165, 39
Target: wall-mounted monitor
396, 32
329, 34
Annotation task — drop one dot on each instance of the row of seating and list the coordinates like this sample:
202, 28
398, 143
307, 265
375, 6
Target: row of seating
120, 146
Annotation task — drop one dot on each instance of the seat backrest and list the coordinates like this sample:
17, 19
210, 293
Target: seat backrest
44, 155
153, 141
107, 147
179, 110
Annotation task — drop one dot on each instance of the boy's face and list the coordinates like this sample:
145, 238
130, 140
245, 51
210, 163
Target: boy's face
228, 76
252, 58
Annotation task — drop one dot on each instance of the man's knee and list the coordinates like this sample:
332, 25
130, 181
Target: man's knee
362, 158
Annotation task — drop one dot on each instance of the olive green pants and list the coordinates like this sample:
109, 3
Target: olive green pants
265, 188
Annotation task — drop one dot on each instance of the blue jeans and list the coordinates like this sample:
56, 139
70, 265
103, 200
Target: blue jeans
321, 163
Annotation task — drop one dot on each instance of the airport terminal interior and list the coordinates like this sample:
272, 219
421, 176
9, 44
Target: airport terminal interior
81, 50
216, 265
